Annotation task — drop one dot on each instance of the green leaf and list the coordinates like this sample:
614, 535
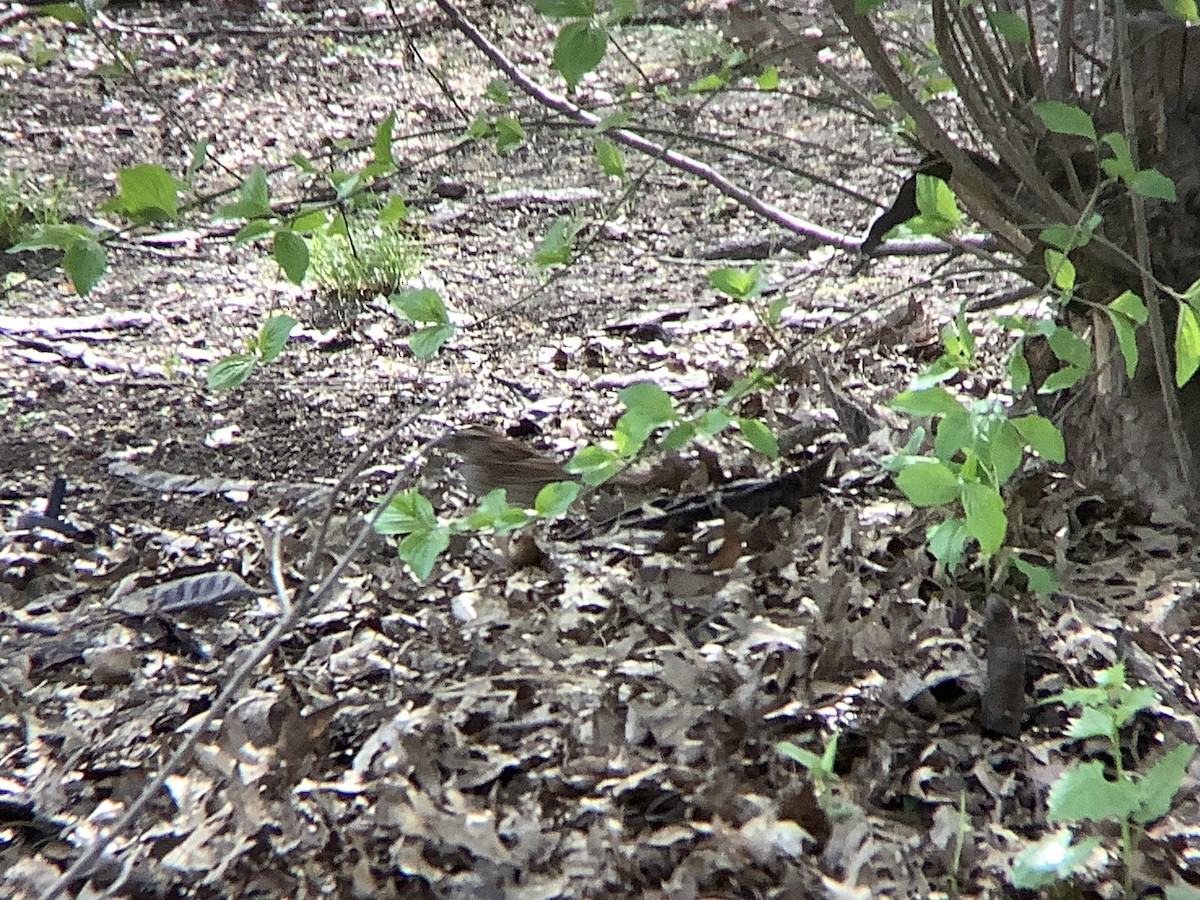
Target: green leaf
1070, 348
420, 305
939, 209
594, 464
1004, 450
711, 82
425, 342
255, 199
1083, 793
649, 402
85, 262
1041, 580
384, 162
407, 512
251, 230
556, 246
986, 521
624, 10
1126, 313
768, 79
679, 436
565, 9
231, 372
1131, 305
739, 283
934, 401
1011, 26
497, 92
1126, 339
421, 549
609, 156
579, 49
1158, 786
1064, 378
775, 310
63, 237
1062, 118
291, 252
64, 12
1154, 184
618, 119
509, 134
395, 210
862, 7
148, 193
947, 542
310, 221
494, 512
1042, 436
711, 421
1018, 371
928, 483
1121, 166
273, 335
1067, 237
1092, 722
1061, 269
954, 432
1051, 859
198, 158
1187, 345
1182, 9
806, 758
480, 127
552, 500
760, 437
1060, 236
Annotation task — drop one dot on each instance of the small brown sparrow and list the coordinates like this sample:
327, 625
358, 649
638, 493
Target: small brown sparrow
492, 460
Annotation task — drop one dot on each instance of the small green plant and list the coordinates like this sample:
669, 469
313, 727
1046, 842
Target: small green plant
362, 256
27, 204
820, 768
426, 536
234, 369
425, 307
1093, 792
648, 408
977, 447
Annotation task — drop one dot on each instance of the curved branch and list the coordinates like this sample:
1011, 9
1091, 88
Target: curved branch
684, 163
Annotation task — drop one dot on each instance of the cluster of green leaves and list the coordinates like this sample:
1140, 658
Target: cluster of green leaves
1128, 311
1092, 792
27, 206
977, 447
507, 130
426, 535
289, 247
649, 408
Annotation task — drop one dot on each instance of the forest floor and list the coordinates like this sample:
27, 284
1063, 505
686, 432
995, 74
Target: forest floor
555, 716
